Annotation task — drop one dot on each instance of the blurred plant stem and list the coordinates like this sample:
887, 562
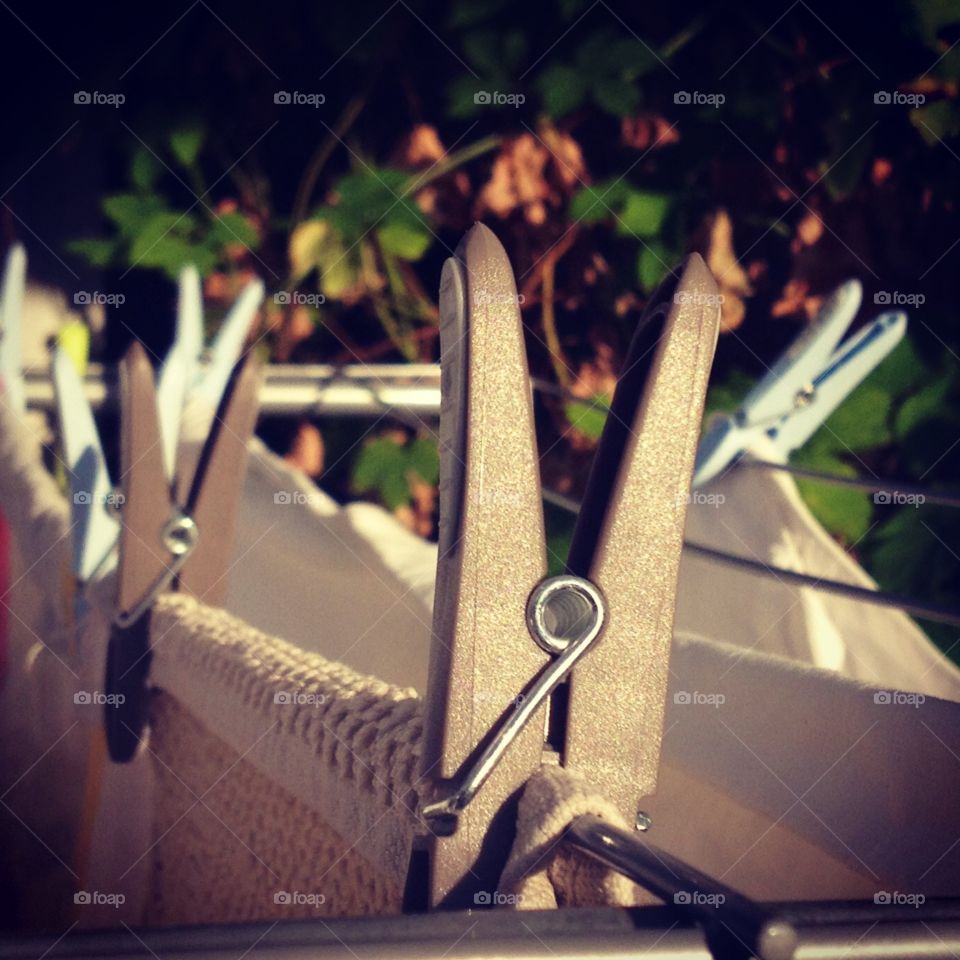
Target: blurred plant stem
450, 163
318, 161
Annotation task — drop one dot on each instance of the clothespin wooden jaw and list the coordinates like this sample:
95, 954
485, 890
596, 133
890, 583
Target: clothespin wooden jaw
168, 542
569, 670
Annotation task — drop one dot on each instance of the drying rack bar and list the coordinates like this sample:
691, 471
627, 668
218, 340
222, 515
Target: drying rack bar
832, 932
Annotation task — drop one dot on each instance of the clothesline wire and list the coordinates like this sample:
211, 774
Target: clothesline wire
922, 609
364, 389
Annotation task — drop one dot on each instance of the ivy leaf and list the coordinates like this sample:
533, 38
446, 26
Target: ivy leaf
185, 145
900, 371
97, 252
130, 211
588, 417
484, 50
164, 243
233, 227
925, 405
144, 169
424, 460
562, 90
643, 214
403, 241
937, 121
594, 204
861, 422
653, 264
843, 512
375, 463
615, 95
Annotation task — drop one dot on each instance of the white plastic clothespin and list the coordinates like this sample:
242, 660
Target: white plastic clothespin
804, 386
191, 384
11, 308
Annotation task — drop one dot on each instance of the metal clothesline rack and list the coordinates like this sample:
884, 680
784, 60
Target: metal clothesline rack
412, 392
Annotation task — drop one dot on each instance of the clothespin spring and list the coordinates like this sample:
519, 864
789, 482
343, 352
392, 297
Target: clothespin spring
565, 616
179, 536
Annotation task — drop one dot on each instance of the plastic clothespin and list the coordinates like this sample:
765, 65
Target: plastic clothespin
190, 381
806, 384
11, 322
525, 669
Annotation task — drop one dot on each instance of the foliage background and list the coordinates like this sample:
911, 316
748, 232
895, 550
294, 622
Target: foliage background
597, 183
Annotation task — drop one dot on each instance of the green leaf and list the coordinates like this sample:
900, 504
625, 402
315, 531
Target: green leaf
616, 95
844, 513
643, 214
375, 462
484, 50
936, 122
394, 490
631, 58
130, 211
185, 145
653, 264
460, 96
233, 227
925, 405
588, 417
900, 371
725, 397
164, 243
424, 460
594, 204
97, 252
144, 169
562, 90
861, 422
403, 240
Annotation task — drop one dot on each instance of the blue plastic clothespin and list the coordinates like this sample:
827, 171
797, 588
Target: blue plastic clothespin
804, 386
191, 383
11, 308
